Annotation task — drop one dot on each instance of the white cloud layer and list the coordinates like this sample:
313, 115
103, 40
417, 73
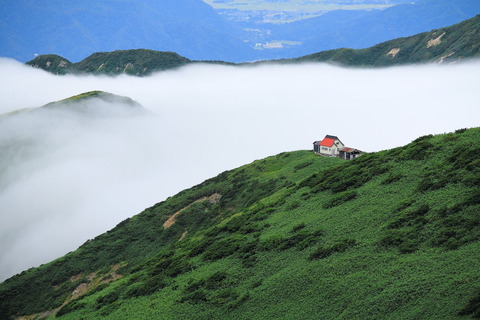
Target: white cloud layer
68, 179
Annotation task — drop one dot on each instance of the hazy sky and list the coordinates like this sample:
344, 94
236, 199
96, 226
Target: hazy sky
68, 178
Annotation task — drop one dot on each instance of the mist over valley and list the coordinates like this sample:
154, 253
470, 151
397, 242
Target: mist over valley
67, 176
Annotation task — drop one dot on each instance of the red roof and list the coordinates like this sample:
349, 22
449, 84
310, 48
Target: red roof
327, 142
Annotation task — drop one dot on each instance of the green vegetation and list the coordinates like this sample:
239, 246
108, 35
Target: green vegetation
457, 42
51, 63
139, 62
390, 235
134, 62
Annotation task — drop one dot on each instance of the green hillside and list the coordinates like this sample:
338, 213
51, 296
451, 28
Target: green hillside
139, 62
390, 235
458, 42
52, 63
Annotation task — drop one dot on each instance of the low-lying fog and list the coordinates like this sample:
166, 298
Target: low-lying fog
66, 178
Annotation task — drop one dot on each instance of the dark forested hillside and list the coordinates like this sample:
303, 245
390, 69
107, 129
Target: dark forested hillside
390, 235
138, 62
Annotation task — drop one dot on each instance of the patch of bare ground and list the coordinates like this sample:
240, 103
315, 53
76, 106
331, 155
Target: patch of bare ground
442, 58
183, 235
76, 277
92, 281
214, 198
393, 52
39, 316
436, 41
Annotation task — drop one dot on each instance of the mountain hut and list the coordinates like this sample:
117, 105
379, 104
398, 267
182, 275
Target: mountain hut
330, 146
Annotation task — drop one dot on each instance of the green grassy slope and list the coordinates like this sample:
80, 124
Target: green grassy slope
391, 235
449, 44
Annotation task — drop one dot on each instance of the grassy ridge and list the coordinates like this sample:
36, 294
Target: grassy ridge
391, 235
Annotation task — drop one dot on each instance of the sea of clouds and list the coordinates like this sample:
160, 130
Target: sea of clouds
65, 178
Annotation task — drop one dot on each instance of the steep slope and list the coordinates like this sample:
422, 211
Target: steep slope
77, 29
451, 44
390, 235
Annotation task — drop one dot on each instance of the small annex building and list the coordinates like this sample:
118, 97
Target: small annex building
330, 146
349, 153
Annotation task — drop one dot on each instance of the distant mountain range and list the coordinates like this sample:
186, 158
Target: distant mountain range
191, 28
450, 44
